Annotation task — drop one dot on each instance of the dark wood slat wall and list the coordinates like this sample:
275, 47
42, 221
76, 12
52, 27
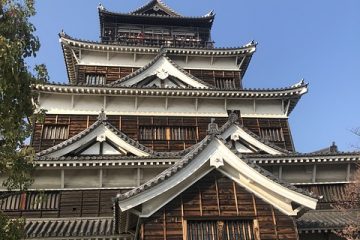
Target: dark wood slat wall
130, 125
216, 197
111, 73
209, 76
115, 73
82, 203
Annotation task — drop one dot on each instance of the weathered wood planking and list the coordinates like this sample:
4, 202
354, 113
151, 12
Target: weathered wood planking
81, 203
130, 125
216, 197
115, 73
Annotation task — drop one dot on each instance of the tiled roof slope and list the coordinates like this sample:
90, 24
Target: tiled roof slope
178, 166
68, 228
326, 220
102, 120
157, 58
233, 119
160, 4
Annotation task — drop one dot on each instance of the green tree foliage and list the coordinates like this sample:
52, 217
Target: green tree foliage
17, 105
11, 230
17, 42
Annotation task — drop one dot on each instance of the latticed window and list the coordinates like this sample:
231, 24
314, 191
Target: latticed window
168, 133
55, 132
95, 79
225, 83
30, 201
272, 134
224, 230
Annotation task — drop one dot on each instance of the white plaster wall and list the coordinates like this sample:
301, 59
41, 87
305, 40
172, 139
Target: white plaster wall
119, 104
300, 174
55, 101
181, 105
211, 105
47, 179
331, 172
184, 106
115, 59
146, 104
125, 177
86, 178
269, 106
245, 106
90, 103
204, 62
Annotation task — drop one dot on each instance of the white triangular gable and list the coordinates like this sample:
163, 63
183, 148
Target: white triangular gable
246, 142
101, 148
162, 68
102, 134
215, 156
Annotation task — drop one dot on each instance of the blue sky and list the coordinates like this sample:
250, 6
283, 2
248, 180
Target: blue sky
315, 40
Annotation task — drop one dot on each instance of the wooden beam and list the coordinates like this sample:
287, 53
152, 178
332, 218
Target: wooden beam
314, 174
236, 200
348, 172
217, 196
138, 177
100, 177
105, 102
254, 105
200, 202
287, 107
196, 104
274, 221
280, 172
166, 103
135, 57
242, 61
108, 56
136, 103
72, 101
62, 177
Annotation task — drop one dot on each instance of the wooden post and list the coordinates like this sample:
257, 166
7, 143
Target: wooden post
236, 200
100, 178
314, 174
62, 177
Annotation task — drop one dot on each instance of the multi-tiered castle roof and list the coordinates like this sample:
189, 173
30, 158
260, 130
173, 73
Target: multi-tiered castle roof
156, 137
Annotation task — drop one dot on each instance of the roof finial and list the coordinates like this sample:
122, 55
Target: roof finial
102, 115
213, 127
333, 148
62, 33
101, 7
233, 116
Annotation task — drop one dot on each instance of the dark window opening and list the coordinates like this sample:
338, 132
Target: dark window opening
225, 230
52, 132
168, 133
272, 134
225, 83
29, 201
95, 79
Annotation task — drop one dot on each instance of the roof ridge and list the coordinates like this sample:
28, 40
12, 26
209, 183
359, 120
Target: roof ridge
272, 177
161, 3
169, 171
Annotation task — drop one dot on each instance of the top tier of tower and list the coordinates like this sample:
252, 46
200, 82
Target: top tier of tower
155, 24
